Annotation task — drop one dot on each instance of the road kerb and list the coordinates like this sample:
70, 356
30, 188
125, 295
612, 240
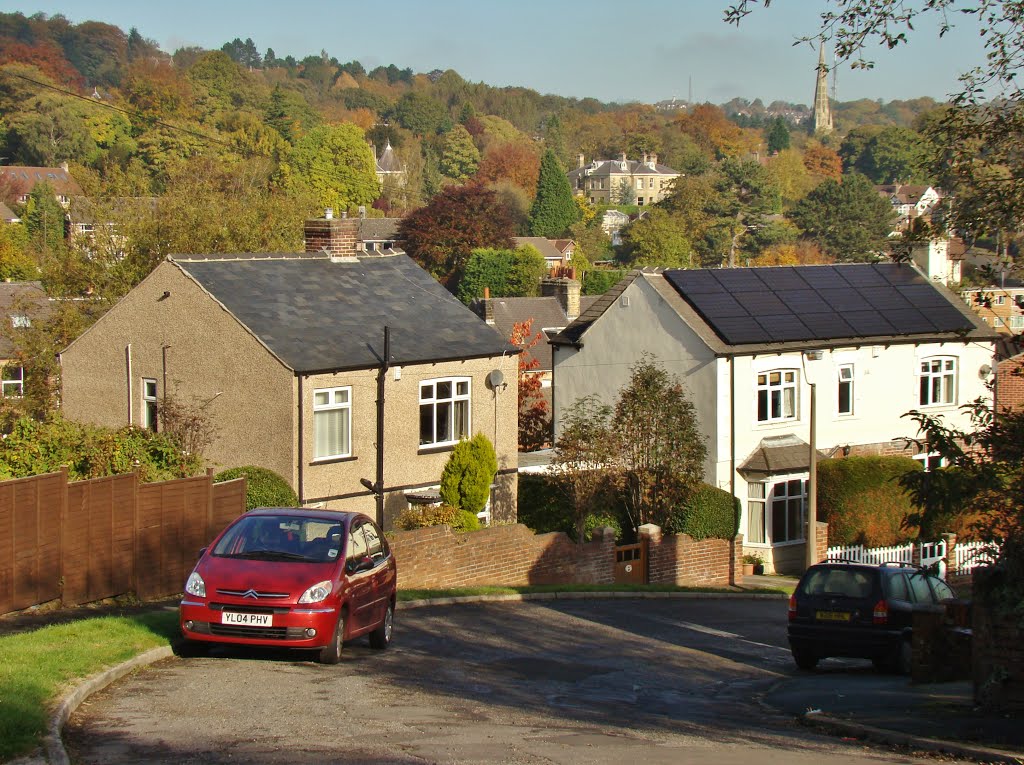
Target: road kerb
921, 743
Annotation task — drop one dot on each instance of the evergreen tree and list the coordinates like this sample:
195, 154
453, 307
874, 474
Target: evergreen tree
553, 210
44, 218
778, 136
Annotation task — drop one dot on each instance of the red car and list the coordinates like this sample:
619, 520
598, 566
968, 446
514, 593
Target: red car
293, 578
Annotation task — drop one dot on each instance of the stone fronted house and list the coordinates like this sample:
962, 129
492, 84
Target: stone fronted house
602, 181
352, 374
754, 346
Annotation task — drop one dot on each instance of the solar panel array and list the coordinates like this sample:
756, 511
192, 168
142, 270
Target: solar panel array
817, 303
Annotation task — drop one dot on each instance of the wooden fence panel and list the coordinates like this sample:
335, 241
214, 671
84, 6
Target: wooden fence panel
228, 504
99, 553
172, 529
105, 537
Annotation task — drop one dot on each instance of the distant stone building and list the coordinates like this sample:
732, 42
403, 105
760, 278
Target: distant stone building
389, 169
604, 181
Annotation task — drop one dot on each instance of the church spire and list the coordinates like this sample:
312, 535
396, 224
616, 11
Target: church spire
822, 107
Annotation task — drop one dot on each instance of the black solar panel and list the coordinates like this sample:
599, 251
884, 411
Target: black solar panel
792, 303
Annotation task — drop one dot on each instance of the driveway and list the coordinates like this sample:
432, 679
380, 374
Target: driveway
576, 682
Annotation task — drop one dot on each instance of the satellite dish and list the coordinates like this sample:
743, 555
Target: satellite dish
495, 378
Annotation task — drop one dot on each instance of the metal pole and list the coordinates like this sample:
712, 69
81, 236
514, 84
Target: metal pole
381, 376
812, 485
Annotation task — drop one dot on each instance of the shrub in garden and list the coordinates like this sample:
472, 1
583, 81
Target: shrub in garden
437, 515
263, 488
709, 513
862, 501
468, 474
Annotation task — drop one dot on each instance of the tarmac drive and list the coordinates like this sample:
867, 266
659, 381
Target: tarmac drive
579, 682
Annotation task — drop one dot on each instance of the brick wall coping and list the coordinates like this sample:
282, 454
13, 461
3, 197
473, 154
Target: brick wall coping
524, 596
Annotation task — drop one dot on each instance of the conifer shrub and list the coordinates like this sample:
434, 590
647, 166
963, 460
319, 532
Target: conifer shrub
468, 474
263, 487
709, 513
862, 501
541, 506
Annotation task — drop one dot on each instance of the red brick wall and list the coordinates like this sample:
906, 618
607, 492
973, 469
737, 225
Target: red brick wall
682, 560
501, 555
1010, 383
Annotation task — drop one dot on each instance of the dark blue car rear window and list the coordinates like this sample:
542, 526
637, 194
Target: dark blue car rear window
847, 582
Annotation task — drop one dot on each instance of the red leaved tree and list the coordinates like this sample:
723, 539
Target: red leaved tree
534, 417
459, 219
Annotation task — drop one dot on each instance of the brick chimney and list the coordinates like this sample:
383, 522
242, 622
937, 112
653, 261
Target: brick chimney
336, 236
488, 306
581, 161
567, 292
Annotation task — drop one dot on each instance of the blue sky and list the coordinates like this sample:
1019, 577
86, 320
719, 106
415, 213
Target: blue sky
613, 51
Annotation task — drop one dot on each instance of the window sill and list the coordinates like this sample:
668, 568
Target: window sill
331, 460
788, 543
435, 449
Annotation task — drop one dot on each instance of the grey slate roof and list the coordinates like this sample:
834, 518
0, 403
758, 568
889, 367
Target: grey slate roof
546, 313
379, 229
316, 315
544, 246
779, 454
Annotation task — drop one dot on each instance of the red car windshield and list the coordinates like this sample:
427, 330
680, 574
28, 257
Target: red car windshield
281, 537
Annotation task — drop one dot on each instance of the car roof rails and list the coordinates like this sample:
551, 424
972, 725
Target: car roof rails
843, 560
898, 564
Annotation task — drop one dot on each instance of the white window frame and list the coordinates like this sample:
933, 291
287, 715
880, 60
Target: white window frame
20, 321
757, 533
332, 400
432, 402
770, 390
150, 406
845, 376
10, 382
937, 387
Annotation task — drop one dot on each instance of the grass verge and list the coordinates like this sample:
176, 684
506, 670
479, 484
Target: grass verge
39, 665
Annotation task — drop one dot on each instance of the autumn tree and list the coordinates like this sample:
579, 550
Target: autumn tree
553, 210
441, 235
459, 155
515, 162
534, 414
335, 164
822, 161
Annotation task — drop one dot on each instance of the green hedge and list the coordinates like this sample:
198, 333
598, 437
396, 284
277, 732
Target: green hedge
861, 500
598, 281
263, 488
710, 513
542, 507
437, 515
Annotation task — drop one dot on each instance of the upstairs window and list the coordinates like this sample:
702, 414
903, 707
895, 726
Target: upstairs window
938, 381
776, 395
444, 411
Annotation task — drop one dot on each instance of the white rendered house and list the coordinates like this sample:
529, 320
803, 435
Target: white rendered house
876, 341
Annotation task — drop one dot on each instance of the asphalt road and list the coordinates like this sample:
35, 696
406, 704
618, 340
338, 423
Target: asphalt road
582, 682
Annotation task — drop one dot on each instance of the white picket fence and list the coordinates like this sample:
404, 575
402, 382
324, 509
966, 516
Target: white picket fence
966, 555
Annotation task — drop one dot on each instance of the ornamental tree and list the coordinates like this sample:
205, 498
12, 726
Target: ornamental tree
534, 415
553, 210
